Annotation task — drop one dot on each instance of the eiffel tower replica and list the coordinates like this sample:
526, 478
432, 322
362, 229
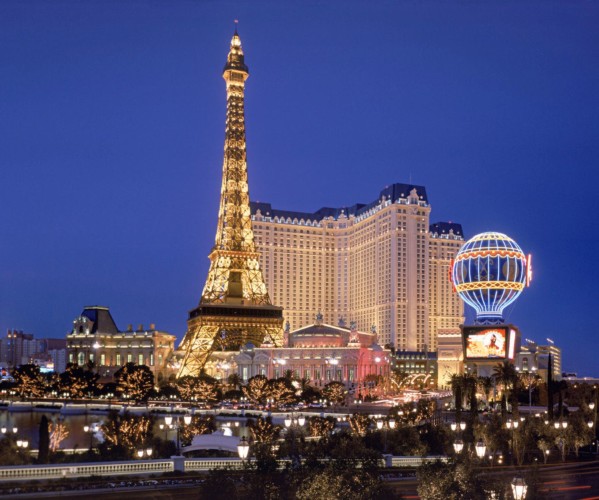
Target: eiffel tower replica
235, 307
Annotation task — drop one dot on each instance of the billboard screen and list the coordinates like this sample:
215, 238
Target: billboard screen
486, 343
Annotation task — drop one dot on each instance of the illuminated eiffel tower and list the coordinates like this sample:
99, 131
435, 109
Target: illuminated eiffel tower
235, 307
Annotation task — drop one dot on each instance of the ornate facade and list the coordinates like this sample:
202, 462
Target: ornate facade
96, 339
380, 264
319, 352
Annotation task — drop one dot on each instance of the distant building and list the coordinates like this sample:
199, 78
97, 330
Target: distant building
534, 357
96, 339
20, 348
421, 366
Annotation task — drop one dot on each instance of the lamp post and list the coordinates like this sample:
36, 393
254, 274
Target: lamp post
513, 425
519, 488
292, 424
458, 446
168, 420
22, 444
243, 449
147, 452
91, 429
481, 449
4, 430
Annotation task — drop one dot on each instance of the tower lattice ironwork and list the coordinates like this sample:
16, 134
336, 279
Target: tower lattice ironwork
235, 307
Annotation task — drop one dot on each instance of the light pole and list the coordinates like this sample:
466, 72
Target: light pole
458, 446
519, 488
147, 452
91, 429
293, 424
4, 430
561, 425
22, 444
481, 449
243, 449
168, 420
513, 425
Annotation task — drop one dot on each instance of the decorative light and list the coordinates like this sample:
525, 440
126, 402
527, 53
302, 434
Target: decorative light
288, 422
519, 488
556, 425
379, 424
187, 419
480, 449
168, 420
590, 424
392, 424
301, 420
458, 446
149, 452
489, 273
453, 426
462, 425
243, 448
140, 453
592, 406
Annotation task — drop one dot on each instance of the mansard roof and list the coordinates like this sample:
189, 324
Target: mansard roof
394, 192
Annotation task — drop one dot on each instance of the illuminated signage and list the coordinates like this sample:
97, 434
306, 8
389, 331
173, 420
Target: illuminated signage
487, 343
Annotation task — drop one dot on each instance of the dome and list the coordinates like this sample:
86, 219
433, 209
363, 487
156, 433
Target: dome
489, 273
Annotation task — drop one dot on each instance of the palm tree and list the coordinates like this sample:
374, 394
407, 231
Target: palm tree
485, 384
457, 388
506, 376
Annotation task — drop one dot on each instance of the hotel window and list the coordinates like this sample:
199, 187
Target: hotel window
118, 359
140, 359
129, 357
151, 359
102, 359
70, 357
81, 359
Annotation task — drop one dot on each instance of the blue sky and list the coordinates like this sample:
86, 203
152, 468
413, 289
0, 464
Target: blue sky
112, 132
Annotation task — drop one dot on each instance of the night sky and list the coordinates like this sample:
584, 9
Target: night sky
112, 125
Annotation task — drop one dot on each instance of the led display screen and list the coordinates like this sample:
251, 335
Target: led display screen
485, 342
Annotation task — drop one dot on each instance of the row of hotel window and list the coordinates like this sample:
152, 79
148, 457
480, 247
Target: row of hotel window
119, 358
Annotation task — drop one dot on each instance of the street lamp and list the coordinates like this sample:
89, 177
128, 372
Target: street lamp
168, 420
481, 449
458, 445
379, 424
142, 452
91, 429
392, 424
243, 448
22, 443
519, 488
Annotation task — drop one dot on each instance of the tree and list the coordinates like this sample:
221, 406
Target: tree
77, 381
321, 427
359, 424
262, 430
198, 425
257, 390
506, 376
335, 392
457, 388
449, 481
197, 388
134, 382
125, 433
29, 381
44, 441
281, 391
58, 433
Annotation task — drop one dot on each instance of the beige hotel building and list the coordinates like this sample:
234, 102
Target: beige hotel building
382, 265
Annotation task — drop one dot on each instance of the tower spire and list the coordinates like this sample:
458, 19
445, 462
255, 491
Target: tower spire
235, 307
